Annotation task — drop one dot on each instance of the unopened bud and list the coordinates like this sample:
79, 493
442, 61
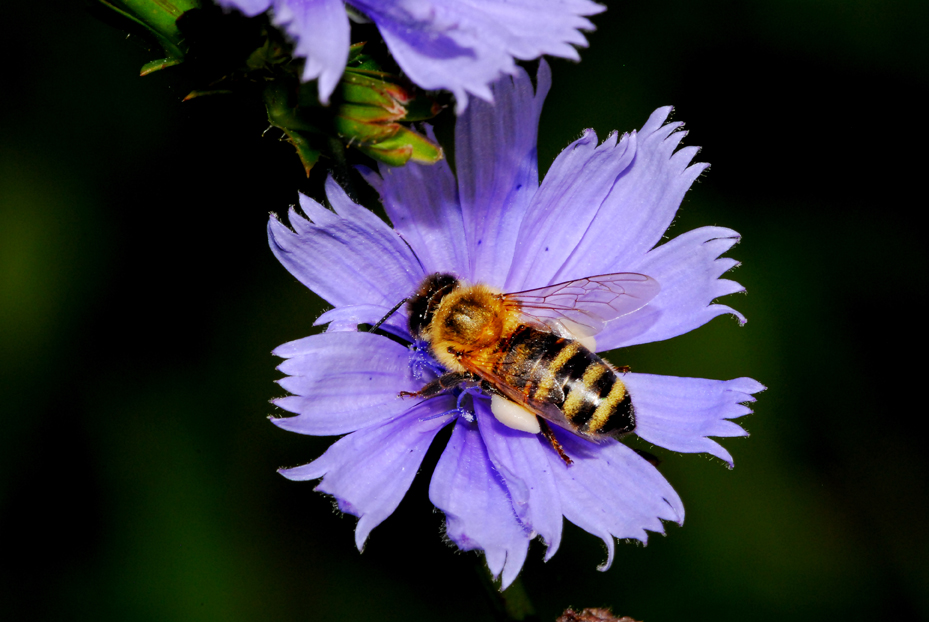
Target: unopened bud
370, 106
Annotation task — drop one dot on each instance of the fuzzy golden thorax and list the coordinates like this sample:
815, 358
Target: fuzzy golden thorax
468, 320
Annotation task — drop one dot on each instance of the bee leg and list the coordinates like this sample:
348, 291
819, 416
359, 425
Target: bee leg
547, 432
440, 385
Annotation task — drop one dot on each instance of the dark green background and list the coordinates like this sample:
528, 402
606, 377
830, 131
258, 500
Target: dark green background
139, 304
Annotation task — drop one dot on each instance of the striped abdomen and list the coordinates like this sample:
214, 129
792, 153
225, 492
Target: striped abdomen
545, 371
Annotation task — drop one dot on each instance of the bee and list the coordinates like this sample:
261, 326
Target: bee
532, 351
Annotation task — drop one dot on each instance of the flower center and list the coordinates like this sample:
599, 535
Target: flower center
423, 364
422, 361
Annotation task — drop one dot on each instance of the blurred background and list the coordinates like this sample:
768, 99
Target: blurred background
139, 304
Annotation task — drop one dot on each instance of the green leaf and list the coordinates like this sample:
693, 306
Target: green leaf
156, 65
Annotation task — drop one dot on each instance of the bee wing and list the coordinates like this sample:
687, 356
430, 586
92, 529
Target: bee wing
543, 409
584, 306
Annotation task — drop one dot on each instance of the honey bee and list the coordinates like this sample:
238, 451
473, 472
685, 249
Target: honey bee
532, 351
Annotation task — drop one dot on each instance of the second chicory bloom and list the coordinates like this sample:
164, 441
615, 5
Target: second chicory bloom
440, 44
602, 208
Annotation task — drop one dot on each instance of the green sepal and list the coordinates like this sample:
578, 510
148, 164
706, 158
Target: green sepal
268, 56
363, 88
357, 59
424, 149
368, 114
283, 110
421, 108
308, 155
397, 156
356, 131
403, 146
377, 88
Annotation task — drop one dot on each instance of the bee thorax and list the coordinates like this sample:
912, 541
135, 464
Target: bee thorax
468, 318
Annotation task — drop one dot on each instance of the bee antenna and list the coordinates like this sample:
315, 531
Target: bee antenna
389, 313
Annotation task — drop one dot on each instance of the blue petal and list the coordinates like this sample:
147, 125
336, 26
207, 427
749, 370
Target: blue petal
369, 471
464, 46
680, 413
250, 8
478, 510
495, 150
561, 212
321, 31
641, 203
521, 458
349, 317
612, 492
343, 381
422, 203
348, 259
688, 269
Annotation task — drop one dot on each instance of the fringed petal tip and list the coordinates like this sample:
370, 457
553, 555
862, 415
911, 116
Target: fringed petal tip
689, 268
503, 566
363, 526
288, 424
301, 473
550, 549
718, 310
681, 414
369, 471
610, 542
347, 256
511, 568
748, 387
321, 33
478, 509
347, 319
284, 423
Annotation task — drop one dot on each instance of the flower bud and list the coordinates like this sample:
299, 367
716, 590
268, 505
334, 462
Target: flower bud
367, 113
369, 106
229, 54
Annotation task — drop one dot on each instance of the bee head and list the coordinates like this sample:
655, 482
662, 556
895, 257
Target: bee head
422, 306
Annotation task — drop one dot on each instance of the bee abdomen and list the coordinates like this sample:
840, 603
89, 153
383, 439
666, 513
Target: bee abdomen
548, 369
526, 359
596, 400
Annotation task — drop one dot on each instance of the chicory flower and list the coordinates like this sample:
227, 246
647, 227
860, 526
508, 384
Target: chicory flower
454, 45
602, 208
